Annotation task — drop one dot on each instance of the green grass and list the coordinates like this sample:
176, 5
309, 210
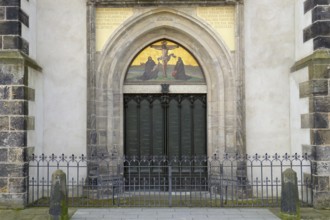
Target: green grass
162, 201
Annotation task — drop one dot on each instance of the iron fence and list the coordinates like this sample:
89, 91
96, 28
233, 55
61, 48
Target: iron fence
230, 181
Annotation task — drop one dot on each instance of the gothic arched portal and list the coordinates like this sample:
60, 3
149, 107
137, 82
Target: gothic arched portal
140, 31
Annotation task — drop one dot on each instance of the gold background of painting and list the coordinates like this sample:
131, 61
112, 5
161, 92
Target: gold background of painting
107, 21
221, 19
187, 58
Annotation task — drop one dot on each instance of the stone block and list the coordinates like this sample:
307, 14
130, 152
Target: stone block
321, 200
321, 183
13, 200
319, 104
2, 13
3, 154
23, 92
13, 42
13, 107
320, 28
321, 168
319, 71
310, 4
5, 92
321, 12
17, 154
92, 137
3, 185
24, 18
12, 13
10, 28
102, 137
18, 123
10, 3
91, 119
4, 123
315, 120
313, 87
30, 123
13, 170
101, 123
321, 153
321, 42
320, 137
17, 185
317, 152
12, 74
13, 139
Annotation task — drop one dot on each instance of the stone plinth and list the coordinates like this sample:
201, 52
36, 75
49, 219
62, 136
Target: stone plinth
58, 209
289, 194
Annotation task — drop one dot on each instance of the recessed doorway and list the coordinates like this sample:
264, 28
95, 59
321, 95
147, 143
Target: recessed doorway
170, 125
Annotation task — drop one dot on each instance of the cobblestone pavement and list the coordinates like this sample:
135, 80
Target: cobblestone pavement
174, 213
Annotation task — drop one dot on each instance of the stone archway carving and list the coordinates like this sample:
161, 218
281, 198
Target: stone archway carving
212, 54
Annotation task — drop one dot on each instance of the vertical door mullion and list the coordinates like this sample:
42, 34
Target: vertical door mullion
180, 124
151, 125
138, 125
192, 125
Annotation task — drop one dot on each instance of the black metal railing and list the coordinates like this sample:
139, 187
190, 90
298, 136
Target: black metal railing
230, 181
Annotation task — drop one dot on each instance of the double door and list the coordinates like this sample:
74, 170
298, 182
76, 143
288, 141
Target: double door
170, 125
166, 134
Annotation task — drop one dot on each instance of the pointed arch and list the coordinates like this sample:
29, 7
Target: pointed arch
206, 46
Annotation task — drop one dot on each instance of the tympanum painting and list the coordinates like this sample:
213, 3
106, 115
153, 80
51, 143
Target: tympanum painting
164, 61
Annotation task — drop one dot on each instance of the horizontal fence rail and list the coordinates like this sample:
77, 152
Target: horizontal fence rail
157, 181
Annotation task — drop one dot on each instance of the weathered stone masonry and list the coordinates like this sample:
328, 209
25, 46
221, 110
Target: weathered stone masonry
320, 26
11, 20
14, 97
316, 89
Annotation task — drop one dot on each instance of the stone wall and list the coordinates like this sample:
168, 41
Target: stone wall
11, 20
316, 91
15, 95
319, 28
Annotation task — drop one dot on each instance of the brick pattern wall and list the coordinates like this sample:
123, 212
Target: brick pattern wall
14, 113
319, 30
11, 20
14, 124
317, 90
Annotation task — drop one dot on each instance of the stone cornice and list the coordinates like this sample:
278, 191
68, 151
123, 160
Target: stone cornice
16, 55
317, 55
131, 3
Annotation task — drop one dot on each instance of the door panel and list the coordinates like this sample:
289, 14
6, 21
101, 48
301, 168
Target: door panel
145, 128
165, 125
158, 142
173, 121
131, 128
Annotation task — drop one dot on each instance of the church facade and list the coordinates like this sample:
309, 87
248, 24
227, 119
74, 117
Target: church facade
167, 78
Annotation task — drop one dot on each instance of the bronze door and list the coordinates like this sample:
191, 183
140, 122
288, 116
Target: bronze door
165, 133
170, 125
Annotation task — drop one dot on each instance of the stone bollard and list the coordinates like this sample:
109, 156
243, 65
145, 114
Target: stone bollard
290, 197
58, 209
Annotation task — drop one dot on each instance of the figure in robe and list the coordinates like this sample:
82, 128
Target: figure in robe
150, 70
165, 57
179, 72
